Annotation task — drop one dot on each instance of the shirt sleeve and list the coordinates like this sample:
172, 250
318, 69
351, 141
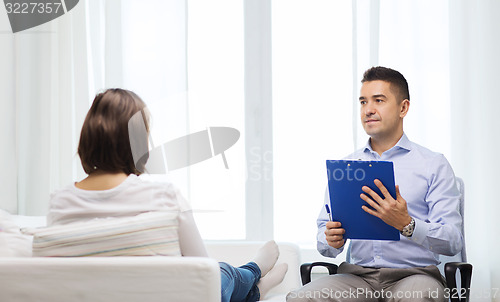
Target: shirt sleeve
322, 246
441, 231
190, 239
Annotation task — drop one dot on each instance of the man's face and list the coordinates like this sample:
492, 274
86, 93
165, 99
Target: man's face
381, 113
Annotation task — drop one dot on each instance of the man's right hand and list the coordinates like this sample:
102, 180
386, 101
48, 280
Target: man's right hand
334, 234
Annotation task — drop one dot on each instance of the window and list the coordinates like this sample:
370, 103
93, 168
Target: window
312, 108
215, 85
186, 62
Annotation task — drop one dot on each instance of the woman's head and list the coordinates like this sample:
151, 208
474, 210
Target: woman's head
105, 143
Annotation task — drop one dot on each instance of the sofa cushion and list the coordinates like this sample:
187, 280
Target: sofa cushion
147, 234
12, 242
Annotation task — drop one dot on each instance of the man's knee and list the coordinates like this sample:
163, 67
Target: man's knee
417, 288
341, 287
308, 293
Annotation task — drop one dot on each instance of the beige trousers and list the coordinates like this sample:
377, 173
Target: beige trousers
357, 283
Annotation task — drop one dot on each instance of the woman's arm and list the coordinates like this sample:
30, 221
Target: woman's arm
189, 237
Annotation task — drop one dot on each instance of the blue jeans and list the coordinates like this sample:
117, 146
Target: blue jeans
239, 283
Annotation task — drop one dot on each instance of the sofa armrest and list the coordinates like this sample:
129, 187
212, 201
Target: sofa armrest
110, 279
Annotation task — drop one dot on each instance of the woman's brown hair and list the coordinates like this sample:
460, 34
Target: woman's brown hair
105, 141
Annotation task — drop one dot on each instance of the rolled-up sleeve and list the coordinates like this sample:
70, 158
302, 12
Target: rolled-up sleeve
441, 231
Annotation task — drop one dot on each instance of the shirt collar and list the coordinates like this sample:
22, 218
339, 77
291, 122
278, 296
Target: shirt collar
403, 143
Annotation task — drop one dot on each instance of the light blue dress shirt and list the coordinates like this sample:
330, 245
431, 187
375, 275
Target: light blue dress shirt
427, 183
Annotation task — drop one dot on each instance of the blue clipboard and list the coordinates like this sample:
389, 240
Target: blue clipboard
345, 180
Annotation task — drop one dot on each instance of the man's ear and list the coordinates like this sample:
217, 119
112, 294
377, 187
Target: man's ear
404, 107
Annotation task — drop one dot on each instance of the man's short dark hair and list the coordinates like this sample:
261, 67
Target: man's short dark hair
104, 141
399, 85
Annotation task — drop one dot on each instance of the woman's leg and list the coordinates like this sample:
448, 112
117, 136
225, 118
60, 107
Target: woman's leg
239, 284
242, 283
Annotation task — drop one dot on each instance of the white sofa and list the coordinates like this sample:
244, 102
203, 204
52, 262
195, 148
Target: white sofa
133, 279
100, 279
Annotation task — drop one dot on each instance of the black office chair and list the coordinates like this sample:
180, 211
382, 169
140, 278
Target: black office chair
456, 294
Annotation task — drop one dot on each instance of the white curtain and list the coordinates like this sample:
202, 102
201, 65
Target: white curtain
49, 76
44, 83
474, 75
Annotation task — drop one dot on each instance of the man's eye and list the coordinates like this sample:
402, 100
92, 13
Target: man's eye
378, 100
362, 102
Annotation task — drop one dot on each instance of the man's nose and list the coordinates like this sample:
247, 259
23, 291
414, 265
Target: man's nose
369, 109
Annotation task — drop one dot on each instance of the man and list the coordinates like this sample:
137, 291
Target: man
425, 210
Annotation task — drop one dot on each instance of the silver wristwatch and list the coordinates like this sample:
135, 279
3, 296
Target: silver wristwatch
408, 230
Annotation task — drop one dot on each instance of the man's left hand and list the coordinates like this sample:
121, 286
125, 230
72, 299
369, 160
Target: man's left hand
392, 211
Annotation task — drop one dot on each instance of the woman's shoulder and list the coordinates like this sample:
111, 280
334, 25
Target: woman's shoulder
63, 191
161, 182
162, 188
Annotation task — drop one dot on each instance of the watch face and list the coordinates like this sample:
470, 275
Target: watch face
408, 230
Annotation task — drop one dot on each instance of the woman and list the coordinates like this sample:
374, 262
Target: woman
114, 188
